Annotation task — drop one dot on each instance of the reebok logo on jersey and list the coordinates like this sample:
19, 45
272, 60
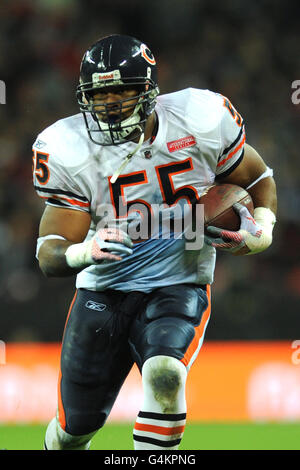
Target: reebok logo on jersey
39, 144
95, 306
180, 144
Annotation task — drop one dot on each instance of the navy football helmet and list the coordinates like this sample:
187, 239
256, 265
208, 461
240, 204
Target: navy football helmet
117, 63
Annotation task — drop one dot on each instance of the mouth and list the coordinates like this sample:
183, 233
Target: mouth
114, 115
111, 117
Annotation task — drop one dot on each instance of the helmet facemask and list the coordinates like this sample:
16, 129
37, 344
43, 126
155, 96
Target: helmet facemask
112, 122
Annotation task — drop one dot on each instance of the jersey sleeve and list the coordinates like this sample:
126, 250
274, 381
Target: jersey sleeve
52, 181
232, 140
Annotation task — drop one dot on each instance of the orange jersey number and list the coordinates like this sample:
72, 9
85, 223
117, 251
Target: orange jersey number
236, 116
40, 167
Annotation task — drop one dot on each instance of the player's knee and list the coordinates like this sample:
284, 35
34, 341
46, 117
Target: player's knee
83, 423
165, 376
58, 439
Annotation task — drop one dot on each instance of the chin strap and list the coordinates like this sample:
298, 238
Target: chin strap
127, 159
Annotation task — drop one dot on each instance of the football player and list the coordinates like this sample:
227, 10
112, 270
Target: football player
145, 301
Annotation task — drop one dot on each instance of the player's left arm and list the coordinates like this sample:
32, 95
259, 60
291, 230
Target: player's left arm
251, 168
255, 234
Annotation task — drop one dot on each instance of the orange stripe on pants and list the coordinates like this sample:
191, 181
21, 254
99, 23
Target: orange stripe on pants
199, 331
61, 411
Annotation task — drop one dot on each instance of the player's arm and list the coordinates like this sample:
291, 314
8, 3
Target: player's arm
72, 226
249, 171
255, 234
62, 250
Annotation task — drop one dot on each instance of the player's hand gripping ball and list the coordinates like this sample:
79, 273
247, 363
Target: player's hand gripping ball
235, 241
230, 222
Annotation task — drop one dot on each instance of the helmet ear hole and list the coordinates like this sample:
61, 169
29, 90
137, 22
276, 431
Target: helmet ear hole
84, 98
88, 95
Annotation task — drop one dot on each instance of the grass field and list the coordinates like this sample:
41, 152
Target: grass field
198, 436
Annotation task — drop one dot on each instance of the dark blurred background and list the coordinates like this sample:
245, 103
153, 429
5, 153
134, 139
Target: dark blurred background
248, 51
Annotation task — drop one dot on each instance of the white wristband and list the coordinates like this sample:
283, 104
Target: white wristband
79, 255
266, 219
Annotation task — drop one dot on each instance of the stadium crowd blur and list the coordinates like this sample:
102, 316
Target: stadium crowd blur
248, 51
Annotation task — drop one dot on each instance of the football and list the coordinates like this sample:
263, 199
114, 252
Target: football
218, 201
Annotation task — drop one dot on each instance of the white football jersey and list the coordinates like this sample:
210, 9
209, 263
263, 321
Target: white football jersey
200, 137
